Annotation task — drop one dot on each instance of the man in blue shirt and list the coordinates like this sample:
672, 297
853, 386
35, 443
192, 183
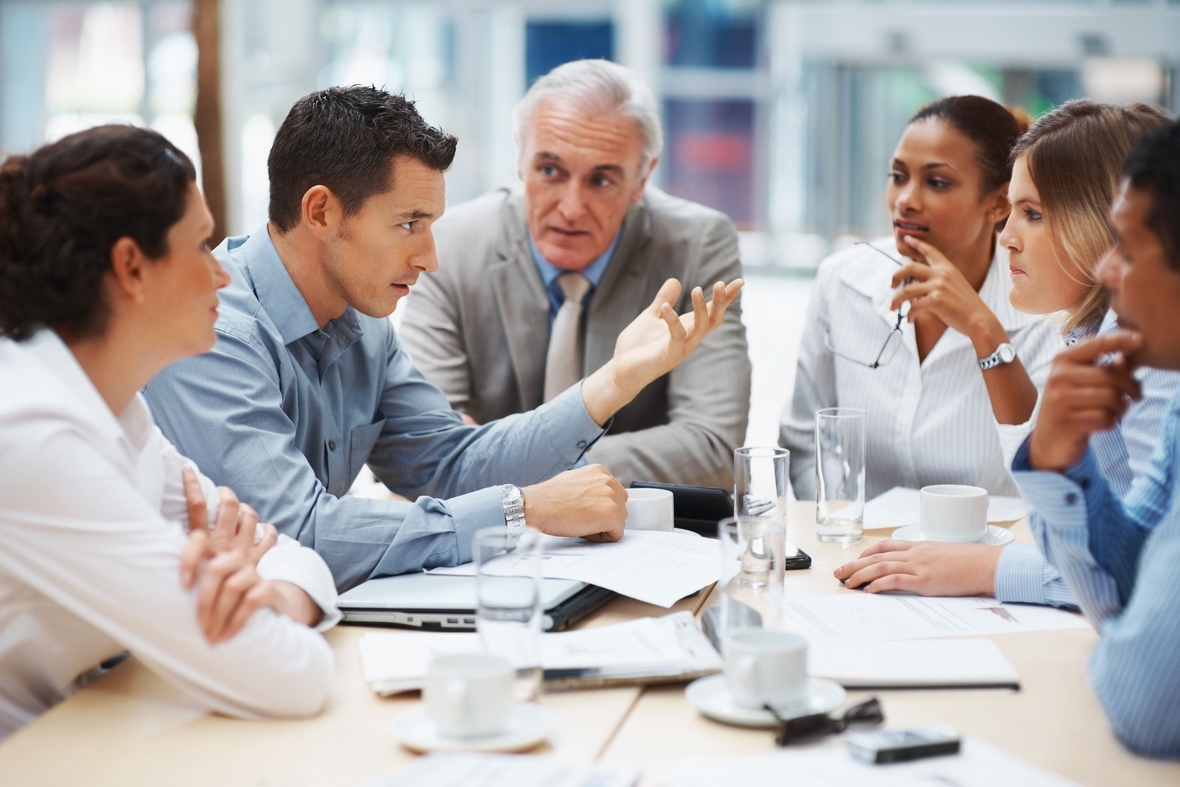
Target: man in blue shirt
1121, 558
308, 381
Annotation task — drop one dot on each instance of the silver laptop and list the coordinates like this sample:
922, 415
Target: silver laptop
431, 601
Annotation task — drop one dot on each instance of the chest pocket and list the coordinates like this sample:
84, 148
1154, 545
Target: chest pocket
360, 445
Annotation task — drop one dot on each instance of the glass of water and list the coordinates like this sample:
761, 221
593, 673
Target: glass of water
760, 482
508, 613
753, 551
839, 474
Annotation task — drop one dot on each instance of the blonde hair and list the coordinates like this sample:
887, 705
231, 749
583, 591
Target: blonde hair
1075, 156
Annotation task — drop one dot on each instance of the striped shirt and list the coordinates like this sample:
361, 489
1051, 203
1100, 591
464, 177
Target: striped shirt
1121, 558
929, 421
1123, 454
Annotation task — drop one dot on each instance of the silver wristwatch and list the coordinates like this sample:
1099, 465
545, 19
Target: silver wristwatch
513, 501
1005, 353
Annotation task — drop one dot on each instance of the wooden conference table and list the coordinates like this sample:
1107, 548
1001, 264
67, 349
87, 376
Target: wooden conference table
130, 728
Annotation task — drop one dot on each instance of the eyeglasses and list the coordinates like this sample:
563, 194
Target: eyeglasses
805, 729
881, 359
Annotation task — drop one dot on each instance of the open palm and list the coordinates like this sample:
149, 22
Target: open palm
658, 339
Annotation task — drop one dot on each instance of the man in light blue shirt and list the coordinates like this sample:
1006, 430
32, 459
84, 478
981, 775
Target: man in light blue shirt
1121, 558
308, 381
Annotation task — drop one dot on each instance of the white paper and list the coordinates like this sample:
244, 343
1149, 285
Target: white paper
649, 565
900, 663
506, 770
396, 661
883, 617
977, 765
901, 506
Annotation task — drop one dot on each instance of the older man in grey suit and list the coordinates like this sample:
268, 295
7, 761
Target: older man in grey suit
534, 286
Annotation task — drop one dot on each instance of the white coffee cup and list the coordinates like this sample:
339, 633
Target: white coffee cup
649, 509
468, 695
953, 512
766, 668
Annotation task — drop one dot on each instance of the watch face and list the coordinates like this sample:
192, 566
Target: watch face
1007, 353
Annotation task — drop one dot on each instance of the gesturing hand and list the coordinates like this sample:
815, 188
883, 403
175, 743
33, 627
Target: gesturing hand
928, 568
586, 501
939, 288
658, 339
1089, 388
236, 529
654, 344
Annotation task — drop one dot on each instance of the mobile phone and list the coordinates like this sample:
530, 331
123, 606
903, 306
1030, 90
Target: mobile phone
885, 746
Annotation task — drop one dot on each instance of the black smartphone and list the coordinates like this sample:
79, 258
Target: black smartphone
881, 747
700, 508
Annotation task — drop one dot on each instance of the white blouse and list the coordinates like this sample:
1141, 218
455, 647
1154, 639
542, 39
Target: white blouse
92, 524
928, 422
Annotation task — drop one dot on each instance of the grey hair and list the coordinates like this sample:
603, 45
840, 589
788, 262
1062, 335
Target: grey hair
596, 86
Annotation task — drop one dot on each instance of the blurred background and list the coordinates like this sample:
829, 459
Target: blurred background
781, 113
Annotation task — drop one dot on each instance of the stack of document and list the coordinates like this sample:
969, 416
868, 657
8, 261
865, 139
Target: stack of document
648, 565
507, 770
927, 664
977, 765
648, 650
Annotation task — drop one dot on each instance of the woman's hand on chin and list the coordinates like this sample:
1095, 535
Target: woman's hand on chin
937, 287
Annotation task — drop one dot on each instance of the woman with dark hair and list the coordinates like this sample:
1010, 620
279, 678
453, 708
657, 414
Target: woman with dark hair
1066, 172
105, 278
937, 362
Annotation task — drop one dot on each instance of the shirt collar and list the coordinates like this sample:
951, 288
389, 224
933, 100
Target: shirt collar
594, 271
275, 289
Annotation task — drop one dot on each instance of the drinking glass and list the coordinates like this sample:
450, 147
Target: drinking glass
508, 613
840, 474
752, 563
760, 482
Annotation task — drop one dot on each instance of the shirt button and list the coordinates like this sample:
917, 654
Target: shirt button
1071, 499
581, 445
331, 445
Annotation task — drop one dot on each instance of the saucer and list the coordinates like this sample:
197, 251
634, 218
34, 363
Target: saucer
528, 725
686, 532
995, 536
711, 697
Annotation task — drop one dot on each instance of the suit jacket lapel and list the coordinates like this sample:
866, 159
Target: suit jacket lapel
623, 291
522, 305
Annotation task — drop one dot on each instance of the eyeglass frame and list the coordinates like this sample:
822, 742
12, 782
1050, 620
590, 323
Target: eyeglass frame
805, 729
877, 362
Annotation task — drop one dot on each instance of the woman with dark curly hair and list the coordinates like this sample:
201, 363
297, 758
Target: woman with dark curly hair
105, 278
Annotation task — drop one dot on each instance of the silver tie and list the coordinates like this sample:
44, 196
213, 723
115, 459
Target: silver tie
563, 363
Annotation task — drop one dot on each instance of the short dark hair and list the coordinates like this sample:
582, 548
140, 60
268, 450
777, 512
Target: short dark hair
1154, 167
991, 126
344, 138
63, 207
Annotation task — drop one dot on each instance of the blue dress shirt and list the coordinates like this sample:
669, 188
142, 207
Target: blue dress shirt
286, 414
1123, 454
549, 273
1121, 559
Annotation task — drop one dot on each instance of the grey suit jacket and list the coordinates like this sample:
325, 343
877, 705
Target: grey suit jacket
479, 329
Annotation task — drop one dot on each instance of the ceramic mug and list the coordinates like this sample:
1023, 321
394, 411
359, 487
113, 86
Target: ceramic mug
953, 512
766, 668
650, 509
468, 695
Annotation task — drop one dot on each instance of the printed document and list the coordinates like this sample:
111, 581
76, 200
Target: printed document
397, 661
506, 770
830, 765
649, 565
875, 616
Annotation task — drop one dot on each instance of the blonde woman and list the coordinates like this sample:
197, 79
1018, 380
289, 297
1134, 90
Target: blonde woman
1066, 171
